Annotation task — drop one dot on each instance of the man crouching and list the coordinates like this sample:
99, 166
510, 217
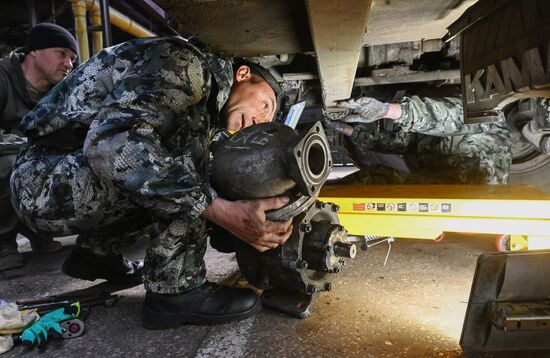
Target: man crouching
121, 145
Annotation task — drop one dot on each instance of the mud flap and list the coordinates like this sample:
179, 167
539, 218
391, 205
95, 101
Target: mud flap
509, 305
504, 50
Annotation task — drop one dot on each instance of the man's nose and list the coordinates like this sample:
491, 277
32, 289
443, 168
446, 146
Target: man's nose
69, 64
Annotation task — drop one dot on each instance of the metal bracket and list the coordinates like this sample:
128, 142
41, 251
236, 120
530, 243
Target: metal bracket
511, 316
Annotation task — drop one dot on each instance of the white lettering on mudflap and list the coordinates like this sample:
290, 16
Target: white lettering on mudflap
533, 75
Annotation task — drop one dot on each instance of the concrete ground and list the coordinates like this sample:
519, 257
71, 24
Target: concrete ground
412, 307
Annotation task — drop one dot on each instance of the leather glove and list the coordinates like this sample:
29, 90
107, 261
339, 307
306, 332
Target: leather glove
48, 326
364, 110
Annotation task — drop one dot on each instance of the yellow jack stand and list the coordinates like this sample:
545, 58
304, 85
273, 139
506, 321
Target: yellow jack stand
427, 211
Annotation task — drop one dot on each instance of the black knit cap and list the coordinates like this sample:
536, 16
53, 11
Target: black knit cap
47, 35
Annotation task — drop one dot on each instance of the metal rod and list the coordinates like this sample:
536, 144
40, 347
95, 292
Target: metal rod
105, 22
31, 5
81, 28
52, 8
58, 11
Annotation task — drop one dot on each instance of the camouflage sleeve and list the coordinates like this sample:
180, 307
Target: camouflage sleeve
432, 116
124, 145
364, 137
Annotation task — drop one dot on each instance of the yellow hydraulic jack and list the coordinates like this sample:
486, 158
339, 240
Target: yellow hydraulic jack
518, 212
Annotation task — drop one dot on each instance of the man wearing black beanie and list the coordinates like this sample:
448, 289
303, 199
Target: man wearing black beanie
26, 75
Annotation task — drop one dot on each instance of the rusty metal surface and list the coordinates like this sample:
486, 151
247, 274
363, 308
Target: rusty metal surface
245, 27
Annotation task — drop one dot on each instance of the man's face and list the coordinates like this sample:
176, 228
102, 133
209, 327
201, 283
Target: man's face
250, 101
54, 63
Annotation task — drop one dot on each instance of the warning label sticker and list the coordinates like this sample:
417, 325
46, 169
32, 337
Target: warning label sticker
411, 207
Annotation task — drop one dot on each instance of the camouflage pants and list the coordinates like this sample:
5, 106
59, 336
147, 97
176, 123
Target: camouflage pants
9, 220
473, 158
56, 192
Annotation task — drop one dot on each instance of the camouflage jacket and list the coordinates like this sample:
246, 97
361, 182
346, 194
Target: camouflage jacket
15, 102
432, 130
145, 111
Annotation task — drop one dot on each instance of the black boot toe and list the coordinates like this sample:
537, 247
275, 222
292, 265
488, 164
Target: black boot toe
204, 305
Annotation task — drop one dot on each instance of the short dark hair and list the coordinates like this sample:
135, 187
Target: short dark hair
263, 73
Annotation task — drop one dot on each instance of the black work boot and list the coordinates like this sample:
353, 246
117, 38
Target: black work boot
39, 243
45, 245
10, 258
86, 265
204, 305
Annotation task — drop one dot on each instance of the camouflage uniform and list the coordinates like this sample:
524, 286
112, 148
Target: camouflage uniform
122, 143
432, 135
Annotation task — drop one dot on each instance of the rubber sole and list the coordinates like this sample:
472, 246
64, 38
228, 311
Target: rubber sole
154, 320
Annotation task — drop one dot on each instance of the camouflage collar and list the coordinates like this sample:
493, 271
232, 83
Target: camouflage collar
221, 69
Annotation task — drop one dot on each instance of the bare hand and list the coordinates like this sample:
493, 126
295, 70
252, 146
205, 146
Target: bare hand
246, 219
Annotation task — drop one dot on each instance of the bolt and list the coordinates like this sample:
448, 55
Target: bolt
312, 288
344, 249
298, 264
305, 228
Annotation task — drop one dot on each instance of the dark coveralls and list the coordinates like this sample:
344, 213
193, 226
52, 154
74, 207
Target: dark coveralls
123, 142
16, 100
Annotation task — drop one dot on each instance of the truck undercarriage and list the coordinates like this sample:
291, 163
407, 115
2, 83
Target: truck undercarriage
495, 53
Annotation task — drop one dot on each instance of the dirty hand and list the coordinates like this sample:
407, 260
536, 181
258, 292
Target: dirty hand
246, 219
364, 110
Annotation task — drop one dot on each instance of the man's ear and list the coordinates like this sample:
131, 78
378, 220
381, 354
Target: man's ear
243, 73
